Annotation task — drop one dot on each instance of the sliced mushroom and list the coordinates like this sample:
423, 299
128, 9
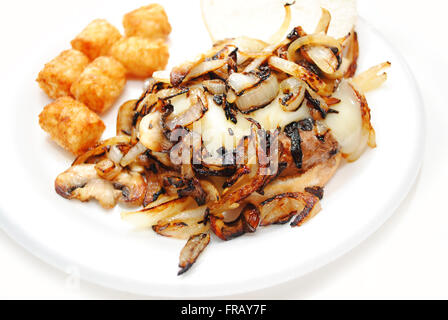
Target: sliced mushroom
151, 133
107, 169
163, 158
191, 251
82, 182
132, 186
226, 230
125, 117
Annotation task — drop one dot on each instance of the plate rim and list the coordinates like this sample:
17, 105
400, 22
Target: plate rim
60, 262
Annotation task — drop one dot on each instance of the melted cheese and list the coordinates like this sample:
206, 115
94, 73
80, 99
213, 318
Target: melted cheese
214, 127
273, 116
216, 130
346, 126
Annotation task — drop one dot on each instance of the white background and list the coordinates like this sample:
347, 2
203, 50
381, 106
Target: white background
406, 258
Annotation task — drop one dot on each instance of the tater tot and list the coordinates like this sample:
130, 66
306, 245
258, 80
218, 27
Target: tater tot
96, 39
100, 84
71, 124
141, 56
149, 22
58, 75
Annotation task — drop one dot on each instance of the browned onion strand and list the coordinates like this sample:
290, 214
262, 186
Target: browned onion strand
258, 96
281, 32
324, 22
294, 91
313, 40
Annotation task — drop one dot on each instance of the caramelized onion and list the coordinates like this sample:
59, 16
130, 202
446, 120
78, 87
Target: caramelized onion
192, 114
312, 40
115, 154
215, 86
281, 32
132, 154
101, 148
294, 93
190, 253
323, 58
161, 76
242, 81
259, 96
324, 22
297, 71
204, 67
372, 78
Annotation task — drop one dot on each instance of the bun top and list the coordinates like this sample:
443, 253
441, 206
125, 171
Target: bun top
261, 18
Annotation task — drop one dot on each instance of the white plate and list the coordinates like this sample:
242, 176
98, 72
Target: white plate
104, 250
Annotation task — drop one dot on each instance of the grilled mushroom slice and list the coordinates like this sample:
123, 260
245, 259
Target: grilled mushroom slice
125, 118
132, 186
107, 169
151, 133
226, 230
82, 182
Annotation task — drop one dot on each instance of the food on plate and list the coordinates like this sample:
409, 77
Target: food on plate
94, 73
150, 22
88, 181
141, 56
100, 84
244, 136
57, 76
96, 39
71, 125
189, 254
